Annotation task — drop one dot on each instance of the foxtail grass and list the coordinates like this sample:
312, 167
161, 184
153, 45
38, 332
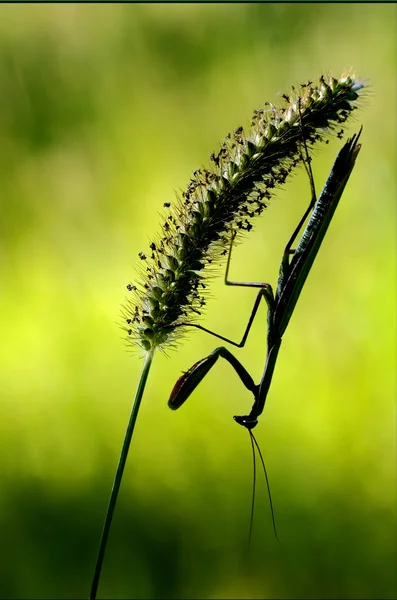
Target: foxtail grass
220, 202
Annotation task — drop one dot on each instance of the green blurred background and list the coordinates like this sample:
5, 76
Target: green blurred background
104, 111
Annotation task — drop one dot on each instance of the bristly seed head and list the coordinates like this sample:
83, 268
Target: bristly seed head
224, 199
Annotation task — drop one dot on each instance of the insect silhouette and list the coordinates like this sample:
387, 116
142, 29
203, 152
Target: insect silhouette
294, 269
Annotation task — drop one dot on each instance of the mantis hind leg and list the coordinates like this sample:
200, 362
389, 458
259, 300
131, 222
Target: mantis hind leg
266, 293
288, 250
254, 284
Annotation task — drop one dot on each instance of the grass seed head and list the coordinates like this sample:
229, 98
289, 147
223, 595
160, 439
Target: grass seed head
223, 199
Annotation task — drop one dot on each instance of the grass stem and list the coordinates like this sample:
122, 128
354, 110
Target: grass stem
119, 473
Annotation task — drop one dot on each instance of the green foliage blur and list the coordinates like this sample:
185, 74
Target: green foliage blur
105, 110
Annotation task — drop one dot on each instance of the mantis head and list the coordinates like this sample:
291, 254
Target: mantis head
246, 421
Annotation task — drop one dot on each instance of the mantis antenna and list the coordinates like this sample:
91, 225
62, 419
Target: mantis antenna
253, 441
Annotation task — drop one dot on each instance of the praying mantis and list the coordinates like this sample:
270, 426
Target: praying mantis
294, 269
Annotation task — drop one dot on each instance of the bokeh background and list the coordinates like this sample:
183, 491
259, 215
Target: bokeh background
104, 111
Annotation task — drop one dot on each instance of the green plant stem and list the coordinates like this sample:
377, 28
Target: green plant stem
120, 470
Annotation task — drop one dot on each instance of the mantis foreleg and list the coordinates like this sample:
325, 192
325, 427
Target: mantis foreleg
188, 382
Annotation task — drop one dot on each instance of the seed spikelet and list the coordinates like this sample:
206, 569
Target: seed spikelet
225, 198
